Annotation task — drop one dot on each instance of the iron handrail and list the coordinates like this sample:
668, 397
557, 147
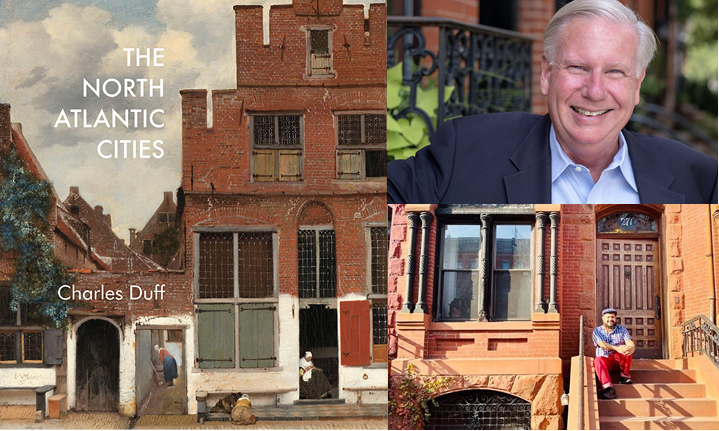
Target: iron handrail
701, 335
580, 395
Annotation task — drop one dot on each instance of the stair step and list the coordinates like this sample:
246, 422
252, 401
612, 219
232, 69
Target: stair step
657, 364
661, 390
663, 376
658, 423
658, 407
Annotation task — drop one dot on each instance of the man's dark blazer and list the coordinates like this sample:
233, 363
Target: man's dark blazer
505, 158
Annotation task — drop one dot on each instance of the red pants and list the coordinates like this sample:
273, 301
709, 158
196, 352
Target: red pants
615, 361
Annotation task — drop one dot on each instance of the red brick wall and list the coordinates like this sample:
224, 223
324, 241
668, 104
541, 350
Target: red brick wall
534, 15
283, 215
267, 65
696, 267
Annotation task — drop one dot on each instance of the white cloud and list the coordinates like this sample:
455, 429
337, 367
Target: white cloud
44, 62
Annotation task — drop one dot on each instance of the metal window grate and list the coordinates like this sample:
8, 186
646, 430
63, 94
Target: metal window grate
479, 410
379, 237
7, 346
289, 129
375, 126
328, 264
32, 346
376, 163
349, 129
255, 264
319, 41
306, 260
216, 265
264, 129
379, 323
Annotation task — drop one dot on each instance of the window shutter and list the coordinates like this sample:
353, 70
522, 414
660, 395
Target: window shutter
257, 335
216, 335
350, 164
290, 165
52, 346
264, 166
355, 332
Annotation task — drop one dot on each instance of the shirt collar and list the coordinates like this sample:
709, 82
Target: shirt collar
561, 161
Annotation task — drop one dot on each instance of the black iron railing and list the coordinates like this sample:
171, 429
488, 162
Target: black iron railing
580, 394
490, 69
654, 117
701, 335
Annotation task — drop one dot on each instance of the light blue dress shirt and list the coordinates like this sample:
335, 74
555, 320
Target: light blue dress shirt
573, 184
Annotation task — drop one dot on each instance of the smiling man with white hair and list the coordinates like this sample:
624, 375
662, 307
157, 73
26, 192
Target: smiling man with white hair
595, 56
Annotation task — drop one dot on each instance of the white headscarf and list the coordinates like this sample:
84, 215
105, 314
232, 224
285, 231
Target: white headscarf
305, 363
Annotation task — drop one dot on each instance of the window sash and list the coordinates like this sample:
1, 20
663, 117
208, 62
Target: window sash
317, 263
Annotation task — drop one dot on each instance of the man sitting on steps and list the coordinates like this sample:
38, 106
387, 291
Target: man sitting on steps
614, 350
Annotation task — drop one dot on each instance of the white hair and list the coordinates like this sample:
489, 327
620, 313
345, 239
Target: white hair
610, 10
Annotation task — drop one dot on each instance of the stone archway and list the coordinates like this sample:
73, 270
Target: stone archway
97, 366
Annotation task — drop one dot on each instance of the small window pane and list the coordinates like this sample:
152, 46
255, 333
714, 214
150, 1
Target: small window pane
319, 40
513, 247
512, 295
289, 128
376, 163
380, 245
328, 265
349, 129
255, 265
216, 267
307, 262
459, 294
375, 126
461, 247
379, 323
32, 346
8, 352
264, 129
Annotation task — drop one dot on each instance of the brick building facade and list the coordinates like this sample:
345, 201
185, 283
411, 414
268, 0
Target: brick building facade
496, 291
290, 183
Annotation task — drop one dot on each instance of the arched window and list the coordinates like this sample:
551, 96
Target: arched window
480, 410
627, 222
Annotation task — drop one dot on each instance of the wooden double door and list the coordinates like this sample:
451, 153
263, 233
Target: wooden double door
628, 279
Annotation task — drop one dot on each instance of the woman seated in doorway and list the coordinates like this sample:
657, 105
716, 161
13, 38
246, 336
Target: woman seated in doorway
313, 382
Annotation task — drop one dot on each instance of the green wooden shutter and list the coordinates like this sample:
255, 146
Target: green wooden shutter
257, 335
216, 335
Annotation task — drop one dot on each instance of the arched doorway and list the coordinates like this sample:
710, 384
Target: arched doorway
629, 276
98, 366
480, 410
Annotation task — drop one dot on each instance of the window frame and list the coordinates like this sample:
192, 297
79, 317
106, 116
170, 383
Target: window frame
490, 288
235, 301
375, 298
330, 301
363, 147
276, 148
20, 329
330, 29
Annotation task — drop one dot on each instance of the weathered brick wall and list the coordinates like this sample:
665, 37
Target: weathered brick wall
285, 214
284, 60
696, 266
534, 15
222, 155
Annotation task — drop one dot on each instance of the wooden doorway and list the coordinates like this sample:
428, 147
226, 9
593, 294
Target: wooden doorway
628, 280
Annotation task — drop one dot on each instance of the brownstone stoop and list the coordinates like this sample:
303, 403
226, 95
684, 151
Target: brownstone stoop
665, 395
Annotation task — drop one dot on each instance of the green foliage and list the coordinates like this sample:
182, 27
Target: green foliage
24, 209
409, 399
166, 245
407, 135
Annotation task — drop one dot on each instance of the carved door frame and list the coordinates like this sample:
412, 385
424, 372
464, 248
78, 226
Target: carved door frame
658, 277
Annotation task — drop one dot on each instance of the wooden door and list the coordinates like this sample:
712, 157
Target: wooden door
628, 280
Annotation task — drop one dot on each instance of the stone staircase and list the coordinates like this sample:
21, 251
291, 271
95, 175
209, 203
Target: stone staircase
662, 397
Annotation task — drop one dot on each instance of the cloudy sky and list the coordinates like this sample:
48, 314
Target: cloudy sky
48, 47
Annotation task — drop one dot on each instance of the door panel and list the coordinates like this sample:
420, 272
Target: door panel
628, 280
